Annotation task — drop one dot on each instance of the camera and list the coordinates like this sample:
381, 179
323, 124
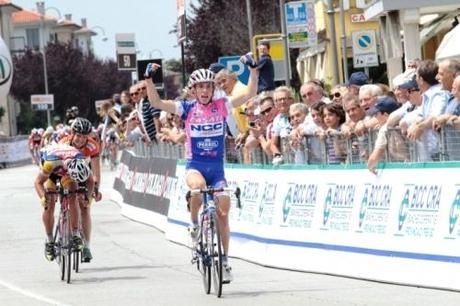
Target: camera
252, 124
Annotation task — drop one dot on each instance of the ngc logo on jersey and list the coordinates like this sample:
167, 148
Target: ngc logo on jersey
207, 129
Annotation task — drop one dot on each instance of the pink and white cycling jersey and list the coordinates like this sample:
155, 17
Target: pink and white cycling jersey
205, 127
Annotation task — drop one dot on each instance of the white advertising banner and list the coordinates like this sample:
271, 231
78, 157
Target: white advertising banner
401, 226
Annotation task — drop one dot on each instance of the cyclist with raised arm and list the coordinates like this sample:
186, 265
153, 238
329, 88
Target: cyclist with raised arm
205, 126
67, 164
90, 148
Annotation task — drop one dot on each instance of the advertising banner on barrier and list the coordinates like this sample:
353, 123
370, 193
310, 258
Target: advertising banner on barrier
13, 150
402, 226
146, 183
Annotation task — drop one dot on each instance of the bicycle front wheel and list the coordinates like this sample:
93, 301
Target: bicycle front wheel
216, 251
205, 256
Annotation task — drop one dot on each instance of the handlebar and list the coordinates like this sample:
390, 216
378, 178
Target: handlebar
211, 190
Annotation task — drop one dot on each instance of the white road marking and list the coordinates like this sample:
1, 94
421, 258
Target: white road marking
30, 294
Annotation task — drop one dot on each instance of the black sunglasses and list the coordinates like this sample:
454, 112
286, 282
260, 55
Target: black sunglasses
335, 95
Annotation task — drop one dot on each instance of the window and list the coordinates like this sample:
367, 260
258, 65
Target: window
33, 38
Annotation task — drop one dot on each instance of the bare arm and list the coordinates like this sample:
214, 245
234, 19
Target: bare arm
96, 166
154, 97
251, 90
39, 181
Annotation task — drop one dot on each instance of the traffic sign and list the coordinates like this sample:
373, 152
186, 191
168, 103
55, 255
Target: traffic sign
301, 24
126, 61
233, 64
364, 49
42, 102
126, 51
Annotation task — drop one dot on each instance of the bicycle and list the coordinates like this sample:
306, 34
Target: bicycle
65, 251
208, 251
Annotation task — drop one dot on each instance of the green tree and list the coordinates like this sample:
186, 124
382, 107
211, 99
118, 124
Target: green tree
73, 79
218, 28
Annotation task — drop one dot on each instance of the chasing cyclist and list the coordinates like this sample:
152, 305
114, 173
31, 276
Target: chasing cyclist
90, 148
205, 126
67, 164
34, 141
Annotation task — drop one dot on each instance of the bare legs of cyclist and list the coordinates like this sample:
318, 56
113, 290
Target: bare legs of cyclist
85, 211
195, 180
224, 228
48, 222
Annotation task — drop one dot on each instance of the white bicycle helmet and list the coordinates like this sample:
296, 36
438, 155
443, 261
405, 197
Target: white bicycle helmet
201, 76
78, 170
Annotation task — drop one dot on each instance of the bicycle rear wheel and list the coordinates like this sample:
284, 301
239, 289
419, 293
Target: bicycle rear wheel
205, 256
69, 261
76, 261
216, 252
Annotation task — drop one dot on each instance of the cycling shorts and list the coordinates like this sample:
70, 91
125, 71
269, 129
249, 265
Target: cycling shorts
213, 173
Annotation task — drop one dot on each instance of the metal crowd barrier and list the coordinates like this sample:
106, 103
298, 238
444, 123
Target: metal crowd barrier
333, 149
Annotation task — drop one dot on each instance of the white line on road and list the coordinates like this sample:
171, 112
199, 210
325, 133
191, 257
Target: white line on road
31, 294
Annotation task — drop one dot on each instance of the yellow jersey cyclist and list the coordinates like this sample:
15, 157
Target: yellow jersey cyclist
80, 139
69, 165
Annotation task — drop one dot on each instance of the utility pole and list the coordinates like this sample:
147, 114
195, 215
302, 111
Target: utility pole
250, 31
333, 40
285, 43
41, 7
344, 43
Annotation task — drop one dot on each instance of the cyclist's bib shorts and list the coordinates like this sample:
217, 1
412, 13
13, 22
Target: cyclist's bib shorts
213, 173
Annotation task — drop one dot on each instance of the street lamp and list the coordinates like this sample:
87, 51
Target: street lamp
104, 37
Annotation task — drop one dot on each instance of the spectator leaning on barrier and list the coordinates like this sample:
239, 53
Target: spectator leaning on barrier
261, 131
356, 80
297, 114
355, 114
401, 94
334, 116
434, 102
368, 95
311, 93
448, 69
407, 116
337, 94
281, 127
382, 109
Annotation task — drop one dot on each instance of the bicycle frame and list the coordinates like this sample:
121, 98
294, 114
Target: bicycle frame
209, 251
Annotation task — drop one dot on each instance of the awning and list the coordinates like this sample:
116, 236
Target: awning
450, 45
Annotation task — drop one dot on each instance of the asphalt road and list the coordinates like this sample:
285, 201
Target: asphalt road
135, 265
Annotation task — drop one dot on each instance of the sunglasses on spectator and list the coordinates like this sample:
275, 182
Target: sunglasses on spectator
334, 95
144, 88
132, 94
266, 111
413, 90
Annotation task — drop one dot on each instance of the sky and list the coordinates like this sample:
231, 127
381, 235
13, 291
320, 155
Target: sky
150, 20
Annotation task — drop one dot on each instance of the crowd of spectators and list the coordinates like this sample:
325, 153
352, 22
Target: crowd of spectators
356, 122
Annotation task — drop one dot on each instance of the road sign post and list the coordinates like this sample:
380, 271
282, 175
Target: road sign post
126, 51
42, 102
364, 49
301, 24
